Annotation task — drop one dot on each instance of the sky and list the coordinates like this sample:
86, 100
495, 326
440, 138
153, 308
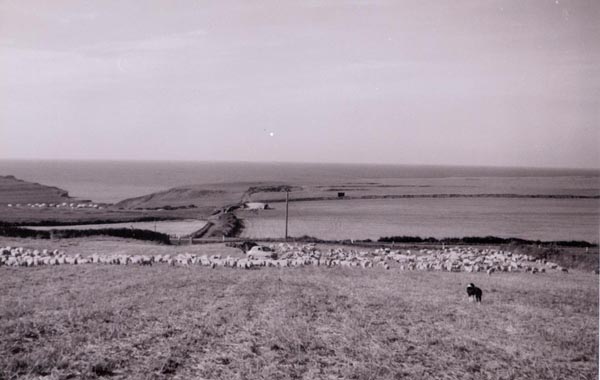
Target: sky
482, 82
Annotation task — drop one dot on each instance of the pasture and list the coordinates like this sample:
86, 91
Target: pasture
543, 219
65, 216
161, 322
170, 227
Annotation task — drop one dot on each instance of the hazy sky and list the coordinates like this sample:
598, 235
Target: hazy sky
431, 82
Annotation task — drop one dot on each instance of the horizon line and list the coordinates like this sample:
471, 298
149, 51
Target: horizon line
140, 160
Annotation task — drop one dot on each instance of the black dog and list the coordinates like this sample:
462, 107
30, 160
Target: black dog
474, 292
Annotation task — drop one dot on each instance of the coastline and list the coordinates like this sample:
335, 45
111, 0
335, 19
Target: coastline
221, 205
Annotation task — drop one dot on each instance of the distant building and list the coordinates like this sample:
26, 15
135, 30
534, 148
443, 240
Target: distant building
341, 195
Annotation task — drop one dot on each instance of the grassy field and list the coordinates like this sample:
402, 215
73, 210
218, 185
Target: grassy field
164, 322
171, 227
544, 219
53, 216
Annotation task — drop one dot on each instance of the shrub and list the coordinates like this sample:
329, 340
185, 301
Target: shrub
66, 234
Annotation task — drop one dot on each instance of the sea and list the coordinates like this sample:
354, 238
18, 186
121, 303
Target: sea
573, 216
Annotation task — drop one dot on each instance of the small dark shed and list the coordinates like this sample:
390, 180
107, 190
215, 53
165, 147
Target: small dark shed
341, 195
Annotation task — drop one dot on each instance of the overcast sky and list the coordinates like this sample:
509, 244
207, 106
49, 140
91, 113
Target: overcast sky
511, 83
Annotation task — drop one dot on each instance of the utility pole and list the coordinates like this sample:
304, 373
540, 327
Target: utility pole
287, 200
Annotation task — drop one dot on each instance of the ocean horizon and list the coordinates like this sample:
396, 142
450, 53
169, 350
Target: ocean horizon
114, 180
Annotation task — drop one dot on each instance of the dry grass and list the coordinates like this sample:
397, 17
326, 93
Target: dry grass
162, 322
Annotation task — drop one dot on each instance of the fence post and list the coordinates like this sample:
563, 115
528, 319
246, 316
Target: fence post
287, 200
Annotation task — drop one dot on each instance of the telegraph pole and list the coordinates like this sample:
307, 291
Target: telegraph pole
287, 200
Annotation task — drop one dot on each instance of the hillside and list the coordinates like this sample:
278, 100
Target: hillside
161, 322
213, 195
14, 190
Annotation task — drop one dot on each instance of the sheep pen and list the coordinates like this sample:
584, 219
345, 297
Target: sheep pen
190, 320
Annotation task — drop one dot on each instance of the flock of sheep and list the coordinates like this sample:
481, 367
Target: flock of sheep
459, 259
469, 259
58, 205
21, 257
